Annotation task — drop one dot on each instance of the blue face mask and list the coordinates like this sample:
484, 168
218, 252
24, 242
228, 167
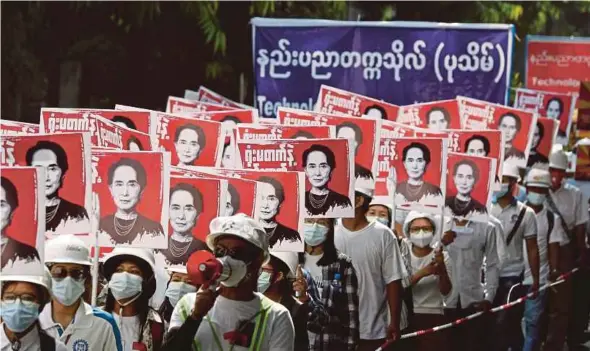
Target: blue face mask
381, 220
264, 282
67, 291
536, 199
314, 234
19, 315
500, 193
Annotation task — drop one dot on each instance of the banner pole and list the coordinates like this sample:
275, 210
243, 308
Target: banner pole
95, 270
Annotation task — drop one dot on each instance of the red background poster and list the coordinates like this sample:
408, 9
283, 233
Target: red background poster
481, 188
333, 100
417, 114
433, 169
16, 127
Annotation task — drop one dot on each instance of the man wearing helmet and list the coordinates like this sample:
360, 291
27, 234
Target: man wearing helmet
67, 317
236, 314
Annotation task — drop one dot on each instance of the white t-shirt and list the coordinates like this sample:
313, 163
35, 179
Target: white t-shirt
29, 342
426, 294
129, 327
311, 266
225, 316
377, 260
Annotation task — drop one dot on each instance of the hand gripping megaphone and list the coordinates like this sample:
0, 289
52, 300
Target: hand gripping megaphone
205, 269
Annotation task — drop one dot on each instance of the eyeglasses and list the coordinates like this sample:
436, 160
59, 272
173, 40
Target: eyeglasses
26, 299
59, 273
243, 253
323, 222
416, 230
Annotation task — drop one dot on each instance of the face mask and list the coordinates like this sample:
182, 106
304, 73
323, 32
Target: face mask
67, 291
503, 190
264, 282
18, 316
176, 290
235, 269
314, 234
381, 220
422, 238
125, 285
536, 198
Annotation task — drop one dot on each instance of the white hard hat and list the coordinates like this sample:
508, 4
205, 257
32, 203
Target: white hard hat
143, 257
240, 226
413, 215
510, 170
538, 178
558, 160
381, 202
42, 278
291, 259
67, 249
177, 268
365, 186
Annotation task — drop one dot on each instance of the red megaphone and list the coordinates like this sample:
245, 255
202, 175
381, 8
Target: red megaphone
203, 268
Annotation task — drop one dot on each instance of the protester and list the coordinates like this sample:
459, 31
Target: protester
571, 206
178, 286
375, 255
276, 282
130, 273
23, 298
67, 317
428, 282
550, 236
221, 319
520, 228
332, 281
380, 211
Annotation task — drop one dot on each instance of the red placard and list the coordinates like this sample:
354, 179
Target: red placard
180, 105
474, 176
516, 125
338, 101
333, 185
544, 135
66, 159
361, 132
278, 131
57, 119
190, 141
132, 193
435, 115
557, 64
485, 143
113, 136
559, 107
208, 95
8, 127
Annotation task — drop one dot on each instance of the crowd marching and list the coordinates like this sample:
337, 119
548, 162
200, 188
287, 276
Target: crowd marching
336, 249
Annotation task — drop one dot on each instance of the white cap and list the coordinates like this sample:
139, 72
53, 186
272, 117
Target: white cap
67, 249
291, 259
413, 215
380, 201
43, 279
365, 186
241, 226
177, 268
510, 170
538, 178
558, 159
145, 256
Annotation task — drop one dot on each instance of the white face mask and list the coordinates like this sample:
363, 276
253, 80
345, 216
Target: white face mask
381, 220
536, 199
422, 238
125, 285
176, 290
67, 291
236, 269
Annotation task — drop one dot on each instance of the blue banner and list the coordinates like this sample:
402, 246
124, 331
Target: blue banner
398, 62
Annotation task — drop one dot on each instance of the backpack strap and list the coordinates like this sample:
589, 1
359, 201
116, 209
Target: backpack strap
47, 342
516, 225
157, 334
551, 223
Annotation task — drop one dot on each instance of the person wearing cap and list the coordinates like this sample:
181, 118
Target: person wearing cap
520, 230
235, 316
67, 317
550, 235
178, 286
275, 282
330, 279
571, 205
428, 281
380, 211
131, 284
375, 256
22, 299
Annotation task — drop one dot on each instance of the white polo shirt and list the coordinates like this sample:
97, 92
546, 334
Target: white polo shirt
91, 329
572, 205
29, 342
557, 236
514, 262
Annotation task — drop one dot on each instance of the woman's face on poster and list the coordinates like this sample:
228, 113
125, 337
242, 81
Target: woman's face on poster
269, 204
437, 121
229, 208
125, 189
508, 128
134, 147
187, 146
348, 133
317, 169
48, 160
227, 161
464, 179
476, 148
536, 138
415, 164
183, 214
553, 110
5, 210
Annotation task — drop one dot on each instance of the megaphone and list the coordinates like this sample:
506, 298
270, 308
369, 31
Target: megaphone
205, 269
